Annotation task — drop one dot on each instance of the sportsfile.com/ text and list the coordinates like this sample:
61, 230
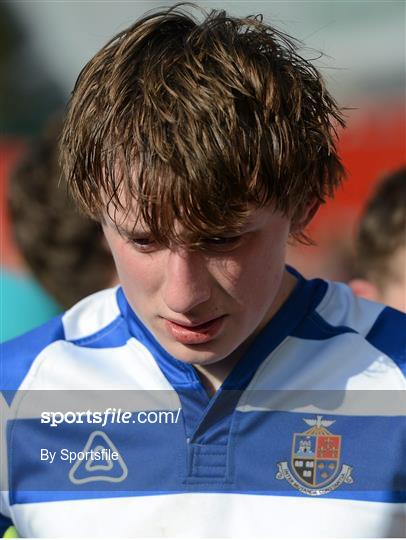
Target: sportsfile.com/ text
109, 416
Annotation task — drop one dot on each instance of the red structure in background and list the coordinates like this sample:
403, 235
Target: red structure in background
11, 149
373, 145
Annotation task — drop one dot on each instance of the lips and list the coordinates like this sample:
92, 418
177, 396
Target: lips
194, 334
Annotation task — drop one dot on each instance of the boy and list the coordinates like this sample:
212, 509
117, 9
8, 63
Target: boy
381, 244
201, 147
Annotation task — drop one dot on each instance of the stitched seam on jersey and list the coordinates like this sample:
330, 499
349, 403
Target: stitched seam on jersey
329, 328
197, 483
333, 288
324, 325
31, 375
138, 347
106, 297
34, 369
30, 368
103, 332
324, 302
258, 374
232, 443
10, 455
213, 454
148, 335
393, 364
402, 358
199, 470
165, 355
209, 466
244, 397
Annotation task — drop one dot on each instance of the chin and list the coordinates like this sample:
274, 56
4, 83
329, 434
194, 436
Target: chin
192, 354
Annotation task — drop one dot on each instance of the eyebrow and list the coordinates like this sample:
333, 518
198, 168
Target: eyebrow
141, 233
132, 232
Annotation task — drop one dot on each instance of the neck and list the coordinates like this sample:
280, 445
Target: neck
213, 375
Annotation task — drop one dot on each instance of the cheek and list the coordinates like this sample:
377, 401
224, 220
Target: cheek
262, 281
137, 273
254, 276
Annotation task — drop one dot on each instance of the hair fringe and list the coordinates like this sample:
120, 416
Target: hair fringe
177, 120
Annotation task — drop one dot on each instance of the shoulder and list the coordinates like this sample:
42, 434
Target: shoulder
379, 325
91, 316
93, 322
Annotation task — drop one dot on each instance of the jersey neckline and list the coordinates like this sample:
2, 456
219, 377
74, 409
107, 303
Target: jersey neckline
304, 298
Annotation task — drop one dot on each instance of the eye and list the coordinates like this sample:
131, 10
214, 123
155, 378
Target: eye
222, 242
143, 244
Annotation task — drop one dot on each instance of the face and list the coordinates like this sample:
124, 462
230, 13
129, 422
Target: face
202, 305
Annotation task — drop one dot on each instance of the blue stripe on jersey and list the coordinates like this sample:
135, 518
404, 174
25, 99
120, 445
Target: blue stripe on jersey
18, 354
316, 328
27, 497
155, 456
388, 334
373, 446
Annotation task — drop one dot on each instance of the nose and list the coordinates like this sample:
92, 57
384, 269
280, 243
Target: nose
187, 280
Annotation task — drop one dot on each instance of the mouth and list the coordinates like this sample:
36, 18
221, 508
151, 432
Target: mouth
194, 333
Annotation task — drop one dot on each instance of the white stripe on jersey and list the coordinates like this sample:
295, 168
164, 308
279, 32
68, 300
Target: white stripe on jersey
212, 515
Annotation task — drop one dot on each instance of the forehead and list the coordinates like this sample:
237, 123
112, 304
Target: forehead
132, 222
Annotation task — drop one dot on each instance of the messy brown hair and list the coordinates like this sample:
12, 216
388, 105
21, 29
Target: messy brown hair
63, 249
382, 231
197, 122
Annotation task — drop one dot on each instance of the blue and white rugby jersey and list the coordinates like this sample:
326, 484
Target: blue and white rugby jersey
306, 437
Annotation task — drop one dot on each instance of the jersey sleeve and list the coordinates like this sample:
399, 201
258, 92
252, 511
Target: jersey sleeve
388, 335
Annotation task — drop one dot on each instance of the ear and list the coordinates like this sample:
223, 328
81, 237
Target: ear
305, 218
364, 289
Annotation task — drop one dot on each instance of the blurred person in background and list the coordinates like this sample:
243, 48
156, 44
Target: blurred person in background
65, 252
380, 246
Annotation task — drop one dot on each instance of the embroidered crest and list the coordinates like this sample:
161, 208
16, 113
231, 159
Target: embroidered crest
315, 460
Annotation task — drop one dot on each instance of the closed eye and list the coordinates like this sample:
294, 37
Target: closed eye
215, 243
143, 244
221, 240
221, 243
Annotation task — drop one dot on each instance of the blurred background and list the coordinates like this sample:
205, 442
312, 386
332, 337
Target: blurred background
44, 45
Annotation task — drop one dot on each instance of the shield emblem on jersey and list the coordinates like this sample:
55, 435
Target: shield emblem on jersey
315, 460
315, 457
